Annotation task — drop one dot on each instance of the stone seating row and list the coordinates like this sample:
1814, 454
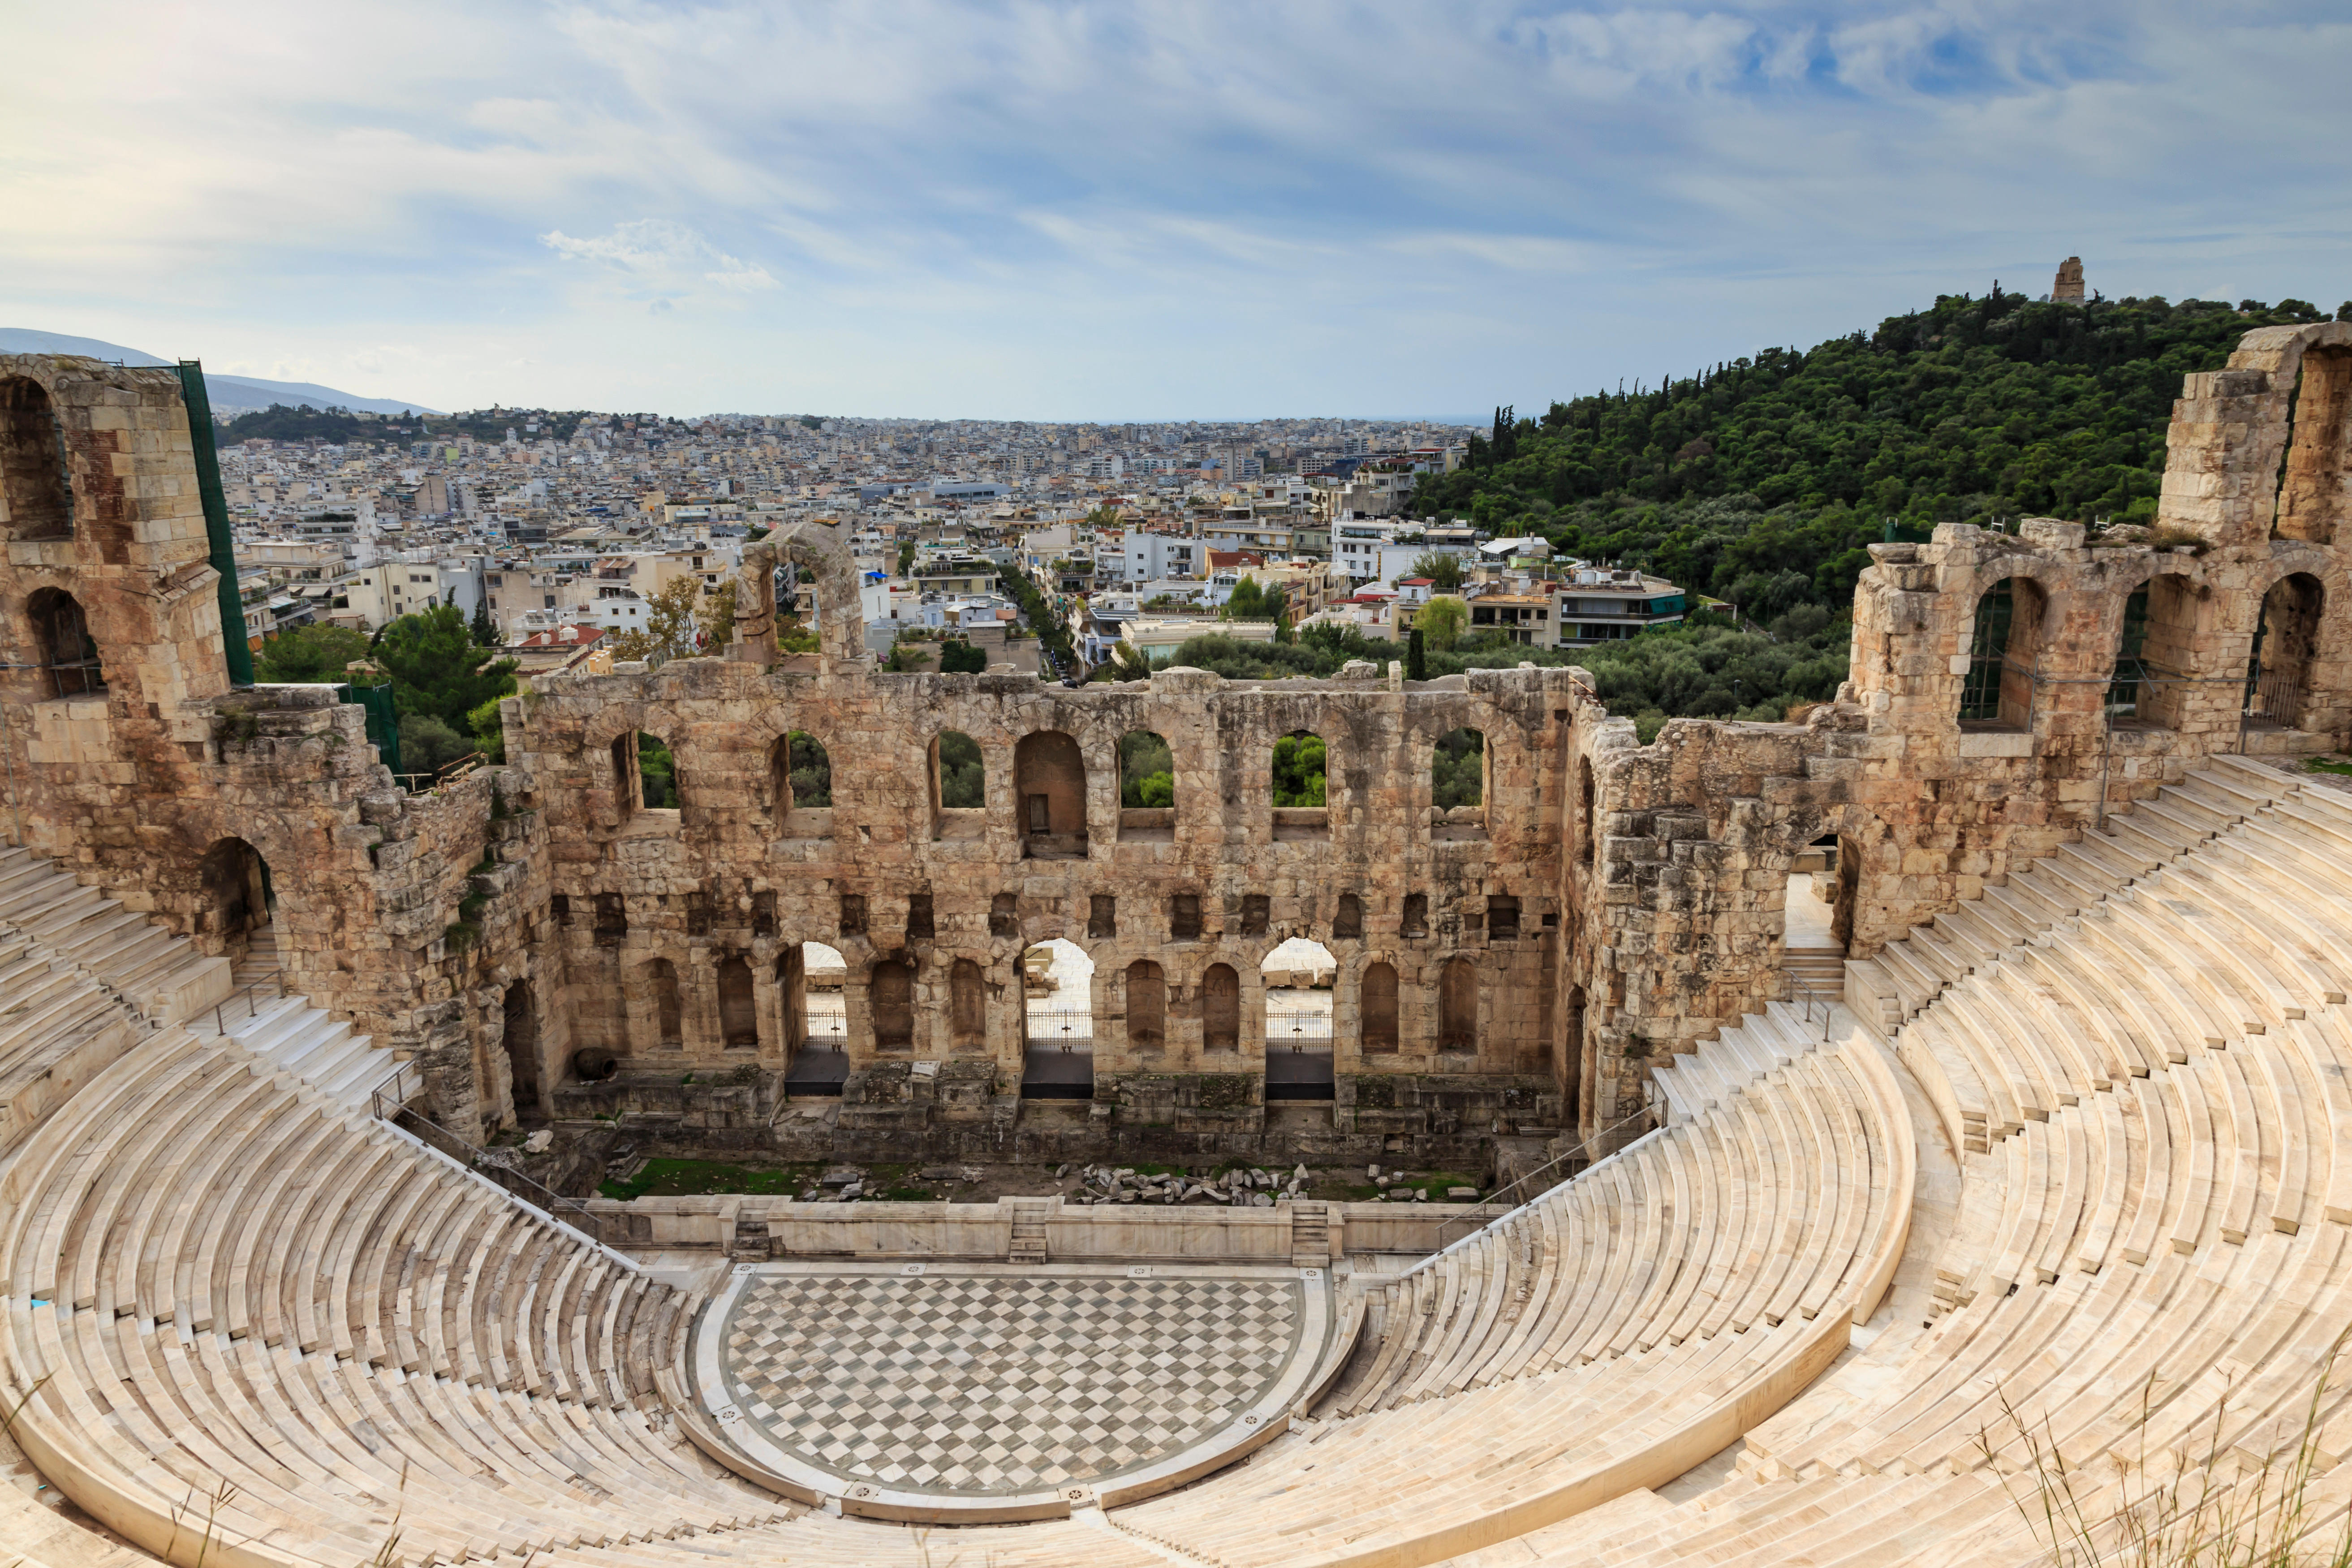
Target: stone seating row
1773, 1204
1906, 975
161, 976
2151, 1266
228, 1280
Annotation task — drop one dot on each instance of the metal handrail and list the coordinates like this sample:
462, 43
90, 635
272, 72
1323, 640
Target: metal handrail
475, 1157
1479, 1224
250, 1010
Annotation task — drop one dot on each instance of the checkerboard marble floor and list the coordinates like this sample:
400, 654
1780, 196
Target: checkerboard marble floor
980, 1383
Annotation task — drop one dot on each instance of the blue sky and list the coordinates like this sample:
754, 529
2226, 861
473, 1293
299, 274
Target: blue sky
1064, 211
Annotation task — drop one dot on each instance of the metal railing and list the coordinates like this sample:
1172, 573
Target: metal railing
1575, 1156
1063, 1028
388, 1103
231, 1000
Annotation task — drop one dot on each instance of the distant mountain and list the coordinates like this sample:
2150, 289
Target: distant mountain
229, 394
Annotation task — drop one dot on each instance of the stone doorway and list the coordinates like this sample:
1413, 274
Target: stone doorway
522, 1051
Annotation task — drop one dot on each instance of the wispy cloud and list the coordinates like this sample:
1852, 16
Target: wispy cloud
1068, 207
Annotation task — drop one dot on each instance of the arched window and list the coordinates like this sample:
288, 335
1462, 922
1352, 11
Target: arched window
967, 1005
1348, 921
959, 784
890, 997
1299, 794
1377, 1007
521, 1042
38, 499
738, 1010
1147, 789
657, 782
1147, 1006
1221, 1009
662, 1001
2004, 645
1457, 1007
2170, 635
2123, 679
63, 645
1049, 781
2278, 678
800, 774
1457, 780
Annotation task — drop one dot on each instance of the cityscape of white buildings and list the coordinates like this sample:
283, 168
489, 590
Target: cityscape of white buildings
562, 527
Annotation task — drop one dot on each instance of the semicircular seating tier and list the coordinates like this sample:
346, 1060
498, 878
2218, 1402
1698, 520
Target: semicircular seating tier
2079, 1207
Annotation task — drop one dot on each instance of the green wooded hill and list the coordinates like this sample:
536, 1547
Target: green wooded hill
1760, 479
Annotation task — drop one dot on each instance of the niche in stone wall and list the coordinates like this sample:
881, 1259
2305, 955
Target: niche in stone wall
890, 998
36, 496
237, 893
1221, 1008
1997, 691
1298, 772
1415, 921
657, 982
739, 1009
1457, 785
1147, 789
1049, 783
1457, 1007
967, 1006
959, 787
1347, 921
1377, 1007
520, 1039
2152, 684
1147, 1006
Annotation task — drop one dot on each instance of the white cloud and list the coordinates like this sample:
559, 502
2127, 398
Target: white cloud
660, 254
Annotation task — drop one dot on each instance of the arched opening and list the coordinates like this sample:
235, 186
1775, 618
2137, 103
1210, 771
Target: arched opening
809, 979
739, 1006
2311, 488
657, 782
1377, 1007
2278, 677
1457, 785
1457, 1007
33, 484
1298, 779
521, 1040
1221, 1008
62, 645
2004, 645
1147, 789
1058, 1022
1049, 782
238, 896
967, 1006
1817, 919
959, 787
1846, 857
890, 1000
2170, 637
659, 994
1298, 975
2125, 679
1588, 831
800, 785
1146, 1006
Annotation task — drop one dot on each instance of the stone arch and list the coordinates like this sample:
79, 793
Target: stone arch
1049, 789
62, 646
800, 785
2282, 661
822, 548
660, 783
1457, 1006
1458, 770
959, 770
2003, 648
236, 892
520, 1039
1299, 778
739, 1004
2158, 639
890, 1003
36, 493
1147, 788
1376, 1008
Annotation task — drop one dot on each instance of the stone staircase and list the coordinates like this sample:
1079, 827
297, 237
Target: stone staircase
292, 1037
1310, 1235
1821, 968
1028, 1233
160, 976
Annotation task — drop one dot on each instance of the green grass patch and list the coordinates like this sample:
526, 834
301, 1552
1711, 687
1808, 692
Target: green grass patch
705, 1178
2315, 766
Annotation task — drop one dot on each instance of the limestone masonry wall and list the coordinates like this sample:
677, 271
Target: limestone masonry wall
1511, 970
